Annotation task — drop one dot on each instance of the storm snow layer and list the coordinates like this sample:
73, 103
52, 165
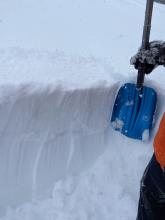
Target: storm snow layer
48, 130
46, 135
22, 66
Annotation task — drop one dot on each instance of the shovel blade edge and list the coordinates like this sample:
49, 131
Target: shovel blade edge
134, 110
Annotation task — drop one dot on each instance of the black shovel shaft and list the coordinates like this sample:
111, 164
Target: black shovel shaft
140, 77
145, 40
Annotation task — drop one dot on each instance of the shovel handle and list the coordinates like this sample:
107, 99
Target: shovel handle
145, 40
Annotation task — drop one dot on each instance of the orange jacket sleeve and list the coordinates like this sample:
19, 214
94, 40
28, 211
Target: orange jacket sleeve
159, 143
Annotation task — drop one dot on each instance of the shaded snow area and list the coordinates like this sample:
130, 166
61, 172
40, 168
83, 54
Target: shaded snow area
61, 65
46, 135
48, 130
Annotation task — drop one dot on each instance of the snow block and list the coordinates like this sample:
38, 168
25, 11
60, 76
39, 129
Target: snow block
133, 111
47, 133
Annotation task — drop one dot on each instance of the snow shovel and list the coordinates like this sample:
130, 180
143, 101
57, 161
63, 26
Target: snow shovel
135, 104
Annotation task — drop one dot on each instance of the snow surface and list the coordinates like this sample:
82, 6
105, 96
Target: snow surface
59, 157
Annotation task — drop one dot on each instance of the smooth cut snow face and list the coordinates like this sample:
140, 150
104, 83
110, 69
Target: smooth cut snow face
48, 131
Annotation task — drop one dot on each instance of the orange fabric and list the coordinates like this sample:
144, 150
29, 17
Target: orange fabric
159, 143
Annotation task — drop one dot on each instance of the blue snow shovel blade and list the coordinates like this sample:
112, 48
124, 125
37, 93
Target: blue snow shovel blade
134, 110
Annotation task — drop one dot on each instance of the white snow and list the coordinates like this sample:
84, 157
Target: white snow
49, 130
59, 157
117, 124
145, 135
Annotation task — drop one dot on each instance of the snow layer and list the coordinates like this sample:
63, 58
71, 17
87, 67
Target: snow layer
22, 66
46, 135
48, 131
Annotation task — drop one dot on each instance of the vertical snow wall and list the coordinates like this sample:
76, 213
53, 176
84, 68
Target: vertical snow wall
46, 134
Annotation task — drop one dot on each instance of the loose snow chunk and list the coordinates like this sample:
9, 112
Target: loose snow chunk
117, 124
145, 135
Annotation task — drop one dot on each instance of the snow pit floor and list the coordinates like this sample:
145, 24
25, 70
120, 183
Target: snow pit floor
108, 190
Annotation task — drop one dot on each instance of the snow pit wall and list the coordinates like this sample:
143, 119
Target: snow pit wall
46, 133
